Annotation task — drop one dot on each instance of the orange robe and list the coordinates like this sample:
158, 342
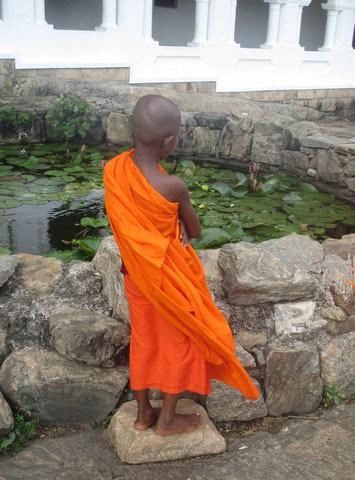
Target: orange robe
171, 278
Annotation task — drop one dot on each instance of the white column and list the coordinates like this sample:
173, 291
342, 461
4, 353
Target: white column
232, 19
109, 15
330, 29
273, 24
201, 22
148, 20
39, 13
345, 28
290, 22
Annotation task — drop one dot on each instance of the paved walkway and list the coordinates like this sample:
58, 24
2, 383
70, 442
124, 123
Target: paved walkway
304, 450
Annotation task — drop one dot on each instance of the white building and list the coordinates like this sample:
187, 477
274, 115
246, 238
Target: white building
239, 44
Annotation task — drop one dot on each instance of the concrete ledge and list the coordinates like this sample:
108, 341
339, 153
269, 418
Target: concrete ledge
133, 446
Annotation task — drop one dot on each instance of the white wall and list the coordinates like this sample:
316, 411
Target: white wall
174, 26
74, 14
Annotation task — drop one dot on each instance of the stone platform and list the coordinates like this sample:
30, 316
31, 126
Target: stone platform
133, 446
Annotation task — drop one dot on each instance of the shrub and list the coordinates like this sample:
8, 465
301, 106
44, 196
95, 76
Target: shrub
331, 396
69, 118
14, 121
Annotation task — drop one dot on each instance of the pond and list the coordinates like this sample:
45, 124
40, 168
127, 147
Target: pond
51, 199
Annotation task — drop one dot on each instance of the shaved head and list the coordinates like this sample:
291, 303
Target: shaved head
155, 118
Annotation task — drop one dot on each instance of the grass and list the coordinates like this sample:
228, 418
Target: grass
25, 428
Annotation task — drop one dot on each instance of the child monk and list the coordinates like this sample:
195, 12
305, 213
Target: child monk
179, 338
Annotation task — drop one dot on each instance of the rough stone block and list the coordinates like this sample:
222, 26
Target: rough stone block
107, 262
337, 278
6, 417
342, 247
338, 363
293, 383
133, 446
296, 317
88, 337
271, 271
118, 130
213, 273
8, 266
59, 391
227, 404
329, 167
39, 274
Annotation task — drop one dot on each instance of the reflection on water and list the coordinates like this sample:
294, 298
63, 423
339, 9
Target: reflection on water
38, 229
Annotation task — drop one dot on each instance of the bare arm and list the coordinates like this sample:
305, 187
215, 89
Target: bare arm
187, 212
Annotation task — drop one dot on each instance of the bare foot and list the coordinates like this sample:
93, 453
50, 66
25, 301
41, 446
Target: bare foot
147, 420
178, 424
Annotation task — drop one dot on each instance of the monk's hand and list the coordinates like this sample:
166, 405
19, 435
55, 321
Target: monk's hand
184, 238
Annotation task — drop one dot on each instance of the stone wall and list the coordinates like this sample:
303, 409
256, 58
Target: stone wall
309, 133
64, 330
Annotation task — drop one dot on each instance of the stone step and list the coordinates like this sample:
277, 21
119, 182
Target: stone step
134, 447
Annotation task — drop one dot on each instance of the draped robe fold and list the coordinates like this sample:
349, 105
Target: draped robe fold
167, 273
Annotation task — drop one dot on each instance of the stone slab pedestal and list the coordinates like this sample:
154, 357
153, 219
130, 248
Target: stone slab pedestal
133, 446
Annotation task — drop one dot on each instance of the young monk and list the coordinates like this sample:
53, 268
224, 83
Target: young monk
179, 338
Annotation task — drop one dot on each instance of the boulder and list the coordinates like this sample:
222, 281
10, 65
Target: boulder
271, 271
293, 384
338, 363
133, 446
59, 391
296, 317
8, 264
107, 262
227, 404
6, 417
342, 247
88, 337
39, 275
118, 129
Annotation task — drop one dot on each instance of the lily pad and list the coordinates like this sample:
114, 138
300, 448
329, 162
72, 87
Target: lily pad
212, 238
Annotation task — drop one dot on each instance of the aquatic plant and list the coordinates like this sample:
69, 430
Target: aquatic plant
69, 118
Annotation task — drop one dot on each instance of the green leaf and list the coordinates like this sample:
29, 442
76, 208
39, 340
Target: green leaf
94, 222
30, 163
221, 187
212, 237
4, 251
292, 197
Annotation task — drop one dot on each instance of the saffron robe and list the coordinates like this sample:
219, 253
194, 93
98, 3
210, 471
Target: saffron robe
167, 273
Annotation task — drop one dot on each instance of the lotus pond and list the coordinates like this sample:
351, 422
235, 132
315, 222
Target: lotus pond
51, 202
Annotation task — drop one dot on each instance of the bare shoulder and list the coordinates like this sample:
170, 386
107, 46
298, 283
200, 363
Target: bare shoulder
171, 187
177, 187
